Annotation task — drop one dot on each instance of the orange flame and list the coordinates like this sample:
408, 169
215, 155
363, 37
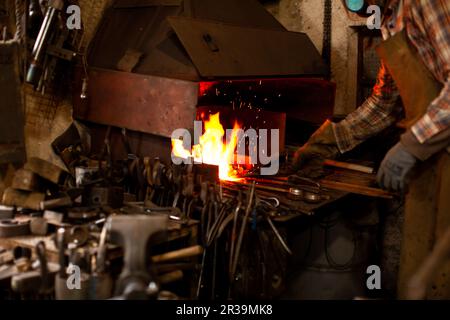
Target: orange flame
212, 150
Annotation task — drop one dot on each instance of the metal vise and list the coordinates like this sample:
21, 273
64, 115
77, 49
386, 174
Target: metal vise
135, 233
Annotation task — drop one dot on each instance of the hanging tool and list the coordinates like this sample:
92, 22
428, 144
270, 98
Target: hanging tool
49, 47
43, 40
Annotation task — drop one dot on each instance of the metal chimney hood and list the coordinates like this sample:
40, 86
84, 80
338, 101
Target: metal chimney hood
198, 39
148, 58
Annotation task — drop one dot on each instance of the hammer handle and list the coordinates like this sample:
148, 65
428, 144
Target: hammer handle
171, 277
349, 166
56, 203
178, 254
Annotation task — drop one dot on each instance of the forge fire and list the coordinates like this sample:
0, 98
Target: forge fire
214, 148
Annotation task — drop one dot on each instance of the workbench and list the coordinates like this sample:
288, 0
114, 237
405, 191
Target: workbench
176, 231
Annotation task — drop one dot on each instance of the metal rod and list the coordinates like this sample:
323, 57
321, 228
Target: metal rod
243, 228
233, 235
349, 166
280, 238
260, 187
357, 189
268, 181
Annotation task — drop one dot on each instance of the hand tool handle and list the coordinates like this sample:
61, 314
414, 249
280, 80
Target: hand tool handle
56, 203
171, 277
178, 254
349, 166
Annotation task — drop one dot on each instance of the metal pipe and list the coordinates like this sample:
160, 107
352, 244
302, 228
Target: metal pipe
260, 187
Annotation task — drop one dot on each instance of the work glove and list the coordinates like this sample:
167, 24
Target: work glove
321, 146
395, 168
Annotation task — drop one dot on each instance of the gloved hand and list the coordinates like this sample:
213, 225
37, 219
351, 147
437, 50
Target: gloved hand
321, 146
395, 168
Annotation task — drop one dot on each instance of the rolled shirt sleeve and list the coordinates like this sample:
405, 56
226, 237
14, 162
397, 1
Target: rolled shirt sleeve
432, 19
381, 110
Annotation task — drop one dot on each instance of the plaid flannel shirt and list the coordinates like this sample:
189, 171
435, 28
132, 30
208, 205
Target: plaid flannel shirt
427, 24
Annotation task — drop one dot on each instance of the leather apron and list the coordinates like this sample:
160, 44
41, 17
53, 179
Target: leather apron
427, 206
